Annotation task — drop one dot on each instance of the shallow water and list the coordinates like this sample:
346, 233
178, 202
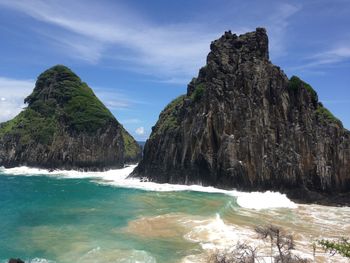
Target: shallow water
104, 217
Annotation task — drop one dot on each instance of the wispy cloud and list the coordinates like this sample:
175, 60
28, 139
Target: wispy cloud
12, 94
177, 49
77, 47
277, 24
172, 53
330, 57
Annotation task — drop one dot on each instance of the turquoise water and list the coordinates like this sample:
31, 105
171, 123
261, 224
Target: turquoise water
63, 219
59, 219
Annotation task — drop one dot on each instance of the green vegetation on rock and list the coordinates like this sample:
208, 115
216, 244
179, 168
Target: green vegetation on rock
296, 83
131, 148
30, 127
322, 114
168, 118
198, 92
85, 112
325, 116
58, 91
62, 105
59, 96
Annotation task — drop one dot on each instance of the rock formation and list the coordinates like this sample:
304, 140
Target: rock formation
13, 260
65, 126
243, 124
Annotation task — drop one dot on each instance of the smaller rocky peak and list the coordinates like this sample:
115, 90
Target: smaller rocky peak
53, 84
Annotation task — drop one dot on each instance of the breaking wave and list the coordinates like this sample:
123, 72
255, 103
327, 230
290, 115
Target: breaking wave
118, 178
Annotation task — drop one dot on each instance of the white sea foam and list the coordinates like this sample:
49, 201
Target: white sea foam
40, 260
118, 177
258, 200
215, 234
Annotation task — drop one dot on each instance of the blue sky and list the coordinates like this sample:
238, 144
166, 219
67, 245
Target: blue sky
139, 55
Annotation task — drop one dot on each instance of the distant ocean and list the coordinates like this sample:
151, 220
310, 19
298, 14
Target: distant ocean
69, 216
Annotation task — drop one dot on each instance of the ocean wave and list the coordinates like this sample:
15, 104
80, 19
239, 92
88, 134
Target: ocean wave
118, 178
216, 234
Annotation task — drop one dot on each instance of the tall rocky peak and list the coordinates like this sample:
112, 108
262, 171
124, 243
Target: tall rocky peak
243, 124
230, 51
246, 46
65, 126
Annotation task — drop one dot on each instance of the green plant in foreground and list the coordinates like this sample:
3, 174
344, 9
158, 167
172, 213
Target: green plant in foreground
342, 246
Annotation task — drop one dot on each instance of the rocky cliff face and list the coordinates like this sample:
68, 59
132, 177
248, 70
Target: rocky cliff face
65, 126
243, 124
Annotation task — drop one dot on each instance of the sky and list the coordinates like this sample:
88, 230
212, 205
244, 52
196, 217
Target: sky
139, 55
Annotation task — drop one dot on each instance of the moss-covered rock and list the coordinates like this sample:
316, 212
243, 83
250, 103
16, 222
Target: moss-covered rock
325, 116
198, 92
295, 84
59, 91
169, 117
132, 150
65, 126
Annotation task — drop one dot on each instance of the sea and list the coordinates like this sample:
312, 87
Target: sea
71, 216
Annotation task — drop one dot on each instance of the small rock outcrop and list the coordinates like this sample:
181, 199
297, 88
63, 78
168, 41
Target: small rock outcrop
13, 260
243, 124
65, 126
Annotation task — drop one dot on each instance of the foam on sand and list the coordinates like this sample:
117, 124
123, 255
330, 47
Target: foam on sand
118, 177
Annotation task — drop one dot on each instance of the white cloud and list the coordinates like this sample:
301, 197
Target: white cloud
140, 131
12, 93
